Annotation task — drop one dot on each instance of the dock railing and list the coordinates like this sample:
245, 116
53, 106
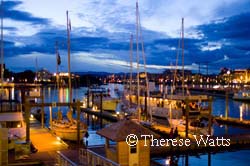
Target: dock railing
94, 159
62, 160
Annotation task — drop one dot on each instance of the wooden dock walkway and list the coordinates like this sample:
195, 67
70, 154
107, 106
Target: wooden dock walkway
45, 142
43, 139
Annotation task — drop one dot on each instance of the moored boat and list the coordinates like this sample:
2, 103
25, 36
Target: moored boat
11, 118
66, 129
194, 126
242, 96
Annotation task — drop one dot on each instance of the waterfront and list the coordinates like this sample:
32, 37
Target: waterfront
101, 43
240, 157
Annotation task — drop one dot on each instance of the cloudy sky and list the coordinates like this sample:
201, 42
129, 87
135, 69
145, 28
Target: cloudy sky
216, 33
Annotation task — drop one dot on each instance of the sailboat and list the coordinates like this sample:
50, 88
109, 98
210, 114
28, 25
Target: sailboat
143, 102
194, 105
66, 129
141, 113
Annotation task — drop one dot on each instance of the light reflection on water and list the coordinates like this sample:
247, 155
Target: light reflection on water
219, 107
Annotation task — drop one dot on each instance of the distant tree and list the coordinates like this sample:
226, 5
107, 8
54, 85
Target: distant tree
88, 80
26, 76
8, 74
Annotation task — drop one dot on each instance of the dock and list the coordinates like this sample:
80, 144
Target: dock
101, 114
43, 139
232, 121
45, 142
94, 155
239, 141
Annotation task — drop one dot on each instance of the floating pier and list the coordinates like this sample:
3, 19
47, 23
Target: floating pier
101, 114
232, 121
239, 141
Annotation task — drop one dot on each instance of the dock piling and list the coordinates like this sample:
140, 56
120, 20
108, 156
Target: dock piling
42, 117
78, 121
187, 117
27, 119
210, 116
226, 111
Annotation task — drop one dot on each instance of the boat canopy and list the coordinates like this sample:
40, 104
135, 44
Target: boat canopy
11, 116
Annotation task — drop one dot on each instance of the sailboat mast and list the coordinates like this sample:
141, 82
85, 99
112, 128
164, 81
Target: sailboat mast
137, 60
147, 95
69, 73
57, 73
131, 68
36, 79
2, 59
182, 35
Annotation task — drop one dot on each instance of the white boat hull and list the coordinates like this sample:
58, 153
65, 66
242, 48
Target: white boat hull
67, 134
68, 131
14, 122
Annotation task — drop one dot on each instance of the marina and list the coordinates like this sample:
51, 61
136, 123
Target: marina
124, 83
239, 137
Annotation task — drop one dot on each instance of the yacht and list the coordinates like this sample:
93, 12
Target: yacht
11, 117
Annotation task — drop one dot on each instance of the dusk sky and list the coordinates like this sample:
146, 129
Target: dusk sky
217, 32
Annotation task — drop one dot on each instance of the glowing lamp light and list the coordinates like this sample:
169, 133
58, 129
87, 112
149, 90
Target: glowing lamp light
31, 116
58, 138
19, 125
167, 162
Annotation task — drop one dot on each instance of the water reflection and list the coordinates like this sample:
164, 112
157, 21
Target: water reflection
237, 158
172, 160
244, 110
234, 108
63, 95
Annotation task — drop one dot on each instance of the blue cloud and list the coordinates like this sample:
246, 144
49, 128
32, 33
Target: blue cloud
229, 37
11, 13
